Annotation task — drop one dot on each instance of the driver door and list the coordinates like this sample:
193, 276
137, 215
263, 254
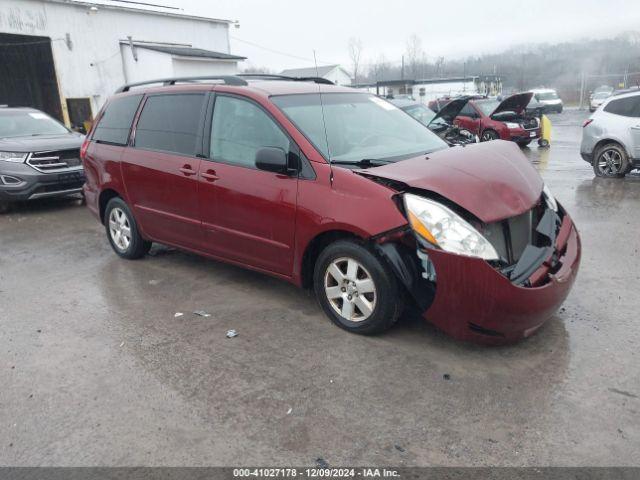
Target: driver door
248, 215
469, 119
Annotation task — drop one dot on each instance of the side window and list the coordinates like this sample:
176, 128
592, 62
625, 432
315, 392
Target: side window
239, 129
468, 111
626, 107
115, 124
170, 123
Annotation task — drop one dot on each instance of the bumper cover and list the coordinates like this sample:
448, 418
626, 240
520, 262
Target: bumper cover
36, 185
475, 302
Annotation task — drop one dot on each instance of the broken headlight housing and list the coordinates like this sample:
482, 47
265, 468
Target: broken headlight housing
14, 157
445, 229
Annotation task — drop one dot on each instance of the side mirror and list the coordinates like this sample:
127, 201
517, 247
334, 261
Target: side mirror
272, 159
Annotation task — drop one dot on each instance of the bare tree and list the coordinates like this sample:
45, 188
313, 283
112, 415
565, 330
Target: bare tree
355, 53
380, 68
250, 68
414, 55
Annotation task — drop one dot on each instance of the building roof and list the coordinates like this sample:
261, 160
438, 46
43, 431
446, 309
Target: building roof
140, 7
185, 51
321, 71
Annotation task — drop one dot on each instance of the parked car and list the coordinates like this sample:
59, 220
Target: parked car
597, 99
611, 136
333, 188
39, 157
549, 98
507, 119
440, 123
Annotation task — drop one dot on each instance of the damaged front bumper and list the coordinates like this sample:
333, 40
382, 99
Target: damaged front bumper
472, 300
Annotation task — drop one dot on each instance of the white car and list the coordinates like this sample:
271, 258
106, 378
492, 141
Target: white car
611, 136
597, 99
549, 99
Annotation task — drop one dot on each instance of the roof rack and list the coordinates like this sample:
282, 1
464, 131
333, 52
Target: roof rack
227, 79
269, 76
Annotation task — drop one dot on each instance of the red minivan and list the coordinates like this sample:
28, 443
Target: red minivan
336, 190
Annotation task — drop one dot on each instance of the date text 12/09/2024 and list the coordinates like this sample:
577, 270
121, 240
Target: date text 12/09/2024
316, 472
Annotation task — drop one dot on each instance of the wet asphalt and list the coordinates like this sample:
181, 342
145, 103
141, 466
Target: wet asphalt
95, 369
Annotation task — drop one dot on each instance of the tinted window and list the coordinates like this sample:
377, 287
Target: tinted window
627, 107
116, 121
239, 129
170, 123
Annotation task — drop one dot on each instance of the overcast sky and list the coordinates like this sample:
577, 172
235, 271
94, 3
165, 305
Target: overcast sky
447, 28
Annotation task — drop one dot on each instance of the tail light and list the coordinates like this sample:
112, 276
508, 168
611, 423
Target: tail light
84, 147
587, 122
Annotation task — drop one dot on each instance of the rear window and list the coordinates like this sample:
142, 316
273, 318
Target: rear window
171, 123
116, 121
626, 107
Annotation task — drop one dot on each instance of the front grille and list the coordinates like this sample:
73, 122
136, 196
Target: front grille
55, 161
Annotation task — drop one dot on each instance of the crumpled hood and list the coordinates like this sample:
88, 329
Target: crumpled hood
41, 143
515, 103
492, 180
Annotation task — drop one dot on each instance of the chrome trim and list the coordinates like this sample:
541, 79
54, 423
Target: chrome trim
61, 167
55, 194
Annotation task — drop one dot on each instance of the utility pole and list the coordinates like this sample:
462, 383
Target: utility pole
582, 87
402, 69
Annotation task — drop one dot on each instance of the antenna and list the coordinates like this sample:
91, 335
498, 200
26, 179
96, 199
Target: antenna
324, 123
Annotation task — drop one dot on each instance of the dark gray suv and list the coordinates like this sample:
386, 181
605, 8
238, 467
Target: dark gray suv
39, 157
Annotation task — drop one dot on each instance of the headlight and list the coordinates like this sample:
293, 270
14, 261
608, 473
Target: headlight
512, 125
549, 199
444, 228
13, 157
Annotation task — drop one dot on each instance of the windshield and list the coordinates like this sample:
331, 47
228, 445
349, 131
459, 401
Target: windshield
421, 113
358, 126
601, 95
547, 96
487, 106
22, 123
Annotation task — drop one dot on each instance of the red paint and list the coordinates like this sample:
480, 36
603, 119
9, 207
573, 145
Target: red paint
492, 180
266, 221
470, 291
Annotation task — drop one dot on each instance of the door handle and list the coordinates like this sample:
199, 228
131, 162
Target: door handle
209, 175
187, 170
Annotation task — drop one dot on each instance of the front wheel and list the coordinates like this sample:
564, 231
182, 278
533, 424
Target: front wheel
489, 135
523, 144
122, 231
356, 289
610, 161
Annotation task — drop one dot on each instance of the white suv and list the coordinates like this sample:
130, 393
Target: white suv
611, 136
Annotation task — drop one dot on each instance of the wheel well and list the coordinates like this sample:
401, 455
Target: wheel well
315, 247
105, 196
607, 141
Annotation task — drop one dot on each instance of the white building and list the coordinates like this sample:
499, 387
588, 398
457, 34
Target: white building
67, 57
334, 73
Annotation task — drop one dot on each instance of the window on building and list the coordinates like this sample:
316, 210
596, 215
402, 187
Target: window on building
171, 123
241, 128
115, 123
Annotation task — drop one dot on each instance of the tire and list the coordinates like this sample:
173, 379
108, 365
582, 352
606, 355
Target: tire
334, 273
118, 219
610, 161
489, 135
524, 143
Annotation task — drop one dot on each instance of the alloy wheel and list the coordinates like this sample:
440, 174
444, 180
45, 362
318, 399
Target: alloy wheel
350, 289
120, 229
610, 163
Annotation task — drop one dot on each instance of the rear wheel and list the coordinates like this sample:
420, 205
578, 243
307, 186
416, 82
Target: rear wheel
122, 231
356, 289
489, 135
610, 161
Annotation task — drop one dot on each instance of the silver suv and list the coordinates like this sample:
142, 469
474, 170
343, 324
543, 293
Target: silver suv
611, 136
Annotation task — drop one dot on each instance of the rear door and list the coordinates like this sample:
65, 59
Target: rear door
161, 169
624, 122
248, 214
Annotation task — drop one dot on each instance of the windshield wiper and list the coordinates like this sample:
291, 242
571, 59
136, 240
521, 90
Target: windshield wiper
365, 162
